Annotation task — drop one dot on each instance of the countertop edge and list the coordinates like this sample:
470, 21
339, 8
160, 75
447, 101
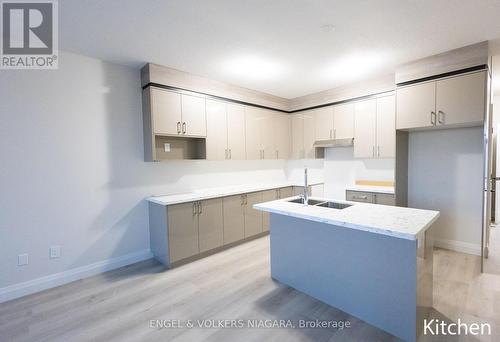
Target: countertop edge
201, 196
375, 230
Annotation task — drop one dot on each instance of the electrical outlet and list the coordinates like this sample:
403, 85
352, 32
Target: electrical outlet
166, 147
54, 252
22, 259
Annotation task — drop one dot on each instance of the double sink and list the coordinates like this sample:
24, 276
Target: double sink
319, 203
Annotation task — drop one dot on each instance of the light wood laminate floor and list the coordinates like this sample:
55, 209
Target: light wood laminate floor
234, 284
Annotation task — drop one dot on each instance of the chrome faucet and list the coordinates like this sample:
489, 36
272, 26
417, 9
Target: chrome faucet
306, 194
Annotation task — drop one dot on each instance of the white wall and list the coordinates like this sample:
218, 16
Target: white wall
72, 170
341, 169
445, 174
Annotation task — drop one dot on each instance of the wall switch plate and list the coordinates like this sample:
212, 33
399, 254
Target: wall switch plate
54, 252
166, 147
22, 259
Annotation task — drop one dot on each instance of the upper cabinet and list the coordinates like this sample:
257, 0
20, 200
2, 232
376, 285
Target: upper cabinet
259, 134
225, 131
457, 100
461, 99
166, 111
375, 131
309, 151
365, 128
343, 121
216, 130
194, 122
282, 135
177, 114
323, 123
235, 131
334, 122
297, 123
386, 127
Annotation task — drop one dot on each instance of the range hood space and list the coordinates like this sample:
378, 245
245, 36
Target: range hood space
334, 143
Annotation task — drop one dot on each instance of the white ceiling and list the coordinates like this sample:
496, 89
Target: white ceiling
279, 47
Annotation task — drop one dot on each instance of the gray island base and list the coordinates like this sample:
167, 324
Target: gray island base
381, 279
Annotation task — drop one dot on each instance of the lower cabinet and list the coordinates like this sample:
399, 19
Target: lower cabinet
370, 197
194, 228
182, 230
210, 224
253, 218
234, 218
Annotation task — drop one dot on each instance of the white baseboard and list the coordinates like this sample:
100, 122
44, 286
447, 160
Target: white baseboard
36, 285
458, 246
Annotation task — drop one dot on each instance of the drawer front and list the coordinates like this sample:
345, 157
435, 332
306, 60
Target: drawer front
358, 196
386, 199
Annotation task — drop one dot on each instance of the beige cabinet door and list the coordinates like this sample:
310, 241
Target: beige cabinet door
166, 112
253, 118
182, 230
234, 219
267, 138
309, 135
194, 122
297, 136
286, 192
235, 131
386, 127
210, 224
461, 99
385, 199
416, 106
268, 195
216, 142
343, 121
323, 123
365, 113
282, 135
253, 218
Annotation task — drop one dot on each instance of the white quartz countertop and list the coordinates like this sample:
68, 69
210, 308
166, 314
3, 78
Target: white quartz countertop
405, 223
371, 188
207, 193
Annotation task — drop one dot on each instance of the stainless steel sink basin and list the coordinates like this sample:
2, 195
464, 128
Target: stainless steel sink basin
320, 203
301, 201
334, 205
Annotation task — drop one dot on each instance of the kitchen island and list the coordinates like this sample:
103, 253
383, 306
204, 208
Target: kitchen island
371, 261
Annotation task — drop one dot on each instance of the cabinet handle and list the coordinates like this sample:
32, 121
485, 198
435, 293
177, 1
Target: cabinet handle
229, 153
334, 133
225, 153
433, 118
441, 115
194, 208
378, 150
178, 127
373, 151
331, 135
183, 128
360, 197
199, 208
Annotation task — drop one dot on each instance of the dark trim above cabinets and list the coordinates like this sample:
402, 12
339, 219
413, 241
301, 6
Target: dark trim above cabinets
215, 97
446, 74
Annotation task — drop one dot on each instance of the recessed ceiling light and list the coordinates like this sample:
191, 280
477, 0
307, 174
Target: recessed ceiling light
328, 27
253, 67
355, 66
